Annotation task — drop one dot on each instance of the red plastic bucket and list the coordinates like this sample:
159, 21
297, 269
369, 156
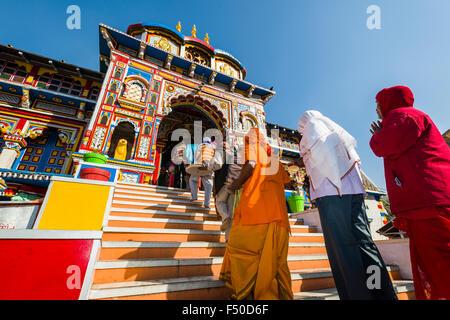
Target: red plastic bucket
95, 174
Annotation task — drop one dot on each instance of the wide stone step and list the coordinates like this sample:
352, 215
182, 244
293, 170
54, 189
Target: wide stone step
152, 213
161, 195
150, 269
181, 235
210, 287
112, 250
197, 216
186, 288
404, 289
156, 206
150, 199
140, 222
157, 189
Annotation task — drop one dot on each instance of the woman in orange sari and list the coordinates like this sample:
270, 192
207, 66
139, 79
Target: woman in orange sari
255, 262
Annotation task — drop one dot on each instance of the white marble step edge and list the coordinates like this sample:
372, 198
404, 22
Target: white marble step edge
152, 200
191, 283
163, 220
167, 262
184, 231
186, 214
154, 211
156, 205
153, 188
185, 195
181, 221
136, 288
400, 286
187, 244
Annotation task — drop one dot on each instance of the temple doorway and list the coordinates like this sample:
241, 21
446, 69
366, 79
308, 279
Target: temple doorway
181, 117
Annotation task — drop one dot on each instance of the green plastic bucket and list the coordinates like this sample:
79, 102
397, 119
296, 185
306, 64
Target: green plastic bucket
296, 203
95, 158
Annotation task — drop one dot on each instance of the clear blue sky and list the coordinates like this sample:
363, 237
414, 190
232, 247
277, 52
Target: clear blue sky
316, 53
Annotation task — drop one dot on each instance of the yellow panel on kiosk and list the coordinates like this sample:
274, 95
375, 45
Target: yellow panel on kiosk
75, 206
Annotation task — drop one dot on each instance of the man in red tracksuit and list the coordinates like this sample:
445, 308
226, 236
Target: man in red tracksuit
417, 171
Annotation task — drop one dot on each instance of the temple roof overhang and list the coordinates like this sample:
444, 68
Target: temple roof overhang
282, 129
111, 38
12, 53
45, 95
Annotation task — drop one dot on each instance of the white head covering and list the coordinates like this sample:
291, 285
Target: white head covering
206, 140
328, 150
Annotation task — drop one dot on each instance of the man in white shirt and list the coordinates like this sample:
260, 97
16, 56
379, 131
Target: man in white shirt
333, 168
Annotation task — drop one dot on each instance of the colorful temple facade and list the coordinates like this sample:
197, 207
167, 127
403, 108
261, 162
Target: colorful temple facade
153, 79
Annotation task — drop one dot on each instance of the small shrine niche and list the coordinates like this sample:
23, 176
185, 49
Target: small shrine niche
122, 141
104, 120
147, 130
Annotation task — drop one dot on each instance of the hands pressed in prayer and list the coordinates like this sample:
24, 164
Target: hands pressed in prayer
376, 126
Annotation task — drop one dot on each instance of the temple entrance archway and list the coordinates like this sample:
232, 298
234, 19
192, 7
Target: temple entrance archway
181, 117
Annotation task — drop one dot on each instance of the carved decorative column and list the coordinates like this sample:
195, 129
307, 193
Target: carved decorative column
81, 111
25, 101
11, 150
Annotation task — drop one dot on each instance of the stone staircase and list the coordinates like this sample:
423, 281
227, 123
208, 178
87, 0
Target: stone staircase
158, 244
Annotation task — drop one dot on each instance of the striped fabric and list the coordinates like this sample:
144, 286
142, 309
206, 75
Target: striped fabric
204, 154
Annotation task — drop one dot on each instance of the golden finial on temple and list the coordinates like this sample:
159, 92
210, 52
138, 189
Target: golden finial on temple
179, 26
194, 31
207, 38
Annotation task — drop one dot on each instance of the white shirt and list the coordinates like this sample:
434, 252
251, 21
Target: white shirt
351, 184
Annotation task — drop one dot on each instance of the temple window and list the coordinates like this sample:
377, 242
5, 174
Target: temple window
60, 83
134, 90
93, 93
11, 71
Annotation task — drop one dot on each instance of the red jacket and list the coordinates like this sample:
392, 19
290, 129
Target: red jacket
416, 156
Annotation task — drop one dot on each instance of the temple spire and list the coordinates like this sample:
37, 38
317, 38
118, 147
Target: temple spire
206, 38
194, 32
178, 27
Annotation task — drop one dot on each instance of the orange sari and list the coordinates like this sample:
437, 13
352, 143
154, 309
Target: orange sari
256, 254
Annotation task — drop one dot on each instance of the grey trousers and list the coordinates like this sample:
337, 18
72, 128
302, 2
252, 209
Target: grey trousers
207, 182
358, 269
224, 205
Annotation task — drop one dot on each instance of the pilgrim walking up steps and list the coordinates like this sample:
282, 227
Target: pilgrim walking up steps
158, 244
204, 154
255, 262
333, 167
